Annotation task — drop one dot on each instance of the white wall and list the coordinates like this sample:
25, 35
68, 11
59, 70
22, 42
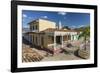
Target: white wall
5, 37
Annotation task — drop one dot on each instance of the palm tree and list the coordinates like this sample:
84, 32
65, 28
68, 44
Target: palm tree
85, 35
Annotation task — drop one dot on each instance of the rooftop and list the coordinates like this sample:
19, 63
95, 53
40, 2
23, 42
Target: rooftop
63, 30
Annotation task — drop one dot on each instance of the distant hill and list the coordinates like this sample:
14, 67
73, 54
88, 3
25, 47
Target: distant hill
81, 28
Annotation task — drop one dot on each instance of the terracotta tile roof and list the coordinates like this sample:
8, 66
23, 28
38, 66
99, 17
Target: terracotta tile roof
52, 30
35, 33
63, 30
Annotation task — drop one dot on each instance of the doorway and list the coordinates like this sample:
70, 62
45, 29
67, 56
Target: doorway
58, 39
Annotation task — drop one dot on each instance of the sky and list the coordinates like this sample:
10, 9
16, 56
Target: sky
70, 19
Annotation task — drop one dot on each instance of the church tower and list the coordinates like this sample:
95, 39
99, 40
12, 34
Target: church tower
60, 25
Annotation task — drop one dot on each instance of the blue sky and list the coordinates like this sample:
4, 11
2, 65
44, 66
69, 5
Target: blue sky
71, 19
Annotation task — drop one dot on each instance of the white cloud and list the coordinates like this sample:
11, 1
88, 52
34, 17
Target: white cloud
24, 15
62, 13
79, 26
83, 25
44, 17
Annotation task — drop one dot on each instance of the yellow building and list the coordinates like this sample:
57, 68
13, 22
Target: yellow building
44, 34
41, 24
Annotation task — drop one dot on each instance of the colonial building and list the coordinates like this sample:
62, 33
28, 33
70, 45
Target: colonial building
47, 35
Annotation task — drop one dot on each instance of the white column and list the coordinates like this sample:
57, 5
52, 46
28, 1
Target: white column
72, 37
29, 38
32, 27
38, 40
75, 37
54, 42
62, 41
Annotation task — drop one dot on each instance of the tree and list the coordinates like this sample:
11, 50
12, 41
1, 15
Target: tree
85, 35
66, 27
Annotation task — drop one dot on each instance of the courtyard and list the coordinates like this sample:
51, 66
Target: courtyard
69, 52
